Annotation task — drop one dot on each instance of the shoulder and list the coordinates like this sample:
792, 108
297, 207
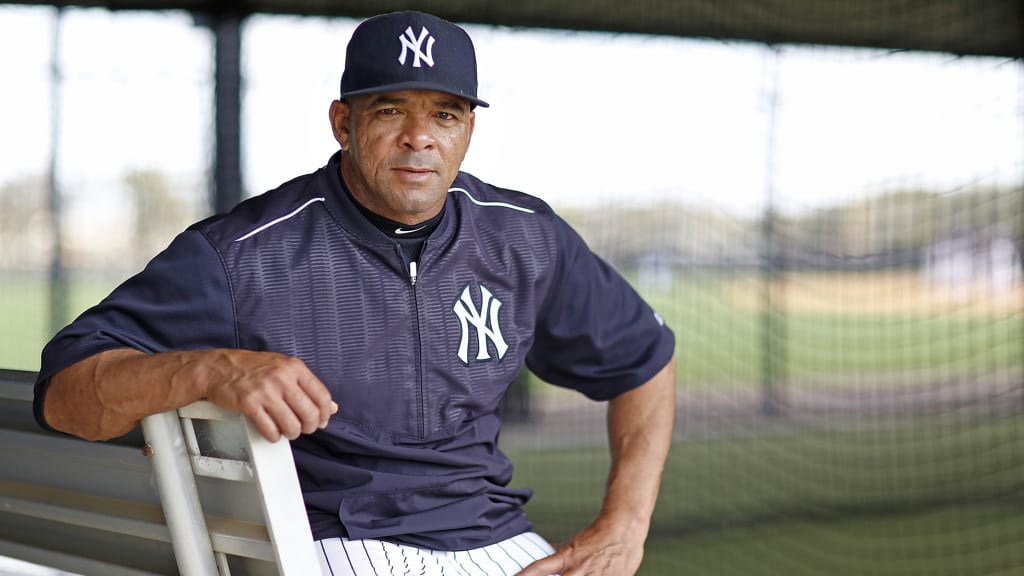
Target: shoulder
509, 211
477, 195
266, 210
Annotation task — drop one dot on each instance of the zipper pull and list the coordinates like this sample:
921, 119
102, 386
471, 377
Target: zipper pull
412, 272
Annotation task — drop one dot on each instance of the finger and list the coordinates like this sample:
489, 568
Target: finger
331, 410
285, 419
554, 564
304, 409
321, 397
264, 425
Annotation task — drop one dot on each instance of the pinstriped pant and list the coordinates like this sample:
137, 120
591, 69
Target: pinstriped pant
344, 557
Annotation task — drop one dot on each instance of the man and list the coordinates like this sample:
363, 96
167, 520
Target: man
374, 313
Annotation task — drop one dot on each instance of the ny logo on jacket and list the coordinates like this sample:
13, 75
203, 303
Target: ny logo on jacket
485, 321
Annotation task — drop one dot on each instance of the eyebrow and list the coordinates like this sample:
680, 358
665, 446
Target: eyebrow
446, 103
387, 100
449, 104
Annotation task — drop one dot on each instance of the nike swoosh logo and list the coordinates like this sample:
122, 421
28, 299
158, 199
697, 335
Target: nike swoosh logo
404, 231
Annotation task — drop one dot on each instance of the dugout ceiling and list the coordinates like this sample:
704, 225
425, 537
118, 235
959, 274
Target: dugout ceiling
962, 27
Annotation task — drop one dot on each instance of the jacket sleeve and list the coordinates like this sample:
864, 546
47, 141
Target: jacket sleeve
180, 301
594, 332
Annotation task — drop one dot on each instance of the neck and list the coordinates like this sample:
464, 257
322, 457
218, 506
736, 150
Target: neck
391, 227
359, 190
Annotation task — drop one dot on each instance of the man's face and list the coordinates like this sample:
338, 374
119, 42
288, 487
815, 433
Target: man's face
402, 150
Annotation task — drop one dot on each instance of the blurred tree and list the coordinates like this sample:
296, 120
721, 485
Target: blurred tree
24, 224
159, 213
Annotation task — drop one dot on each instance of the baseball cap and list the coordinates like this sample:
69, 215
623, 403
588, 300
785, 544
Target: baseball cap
410, 51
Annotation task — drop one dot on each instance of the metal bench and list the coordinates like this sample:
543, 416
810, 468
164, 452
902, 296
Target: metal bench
198, 493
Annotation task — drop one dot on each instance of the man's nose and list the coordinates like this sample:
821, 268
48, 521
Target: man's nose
417, 133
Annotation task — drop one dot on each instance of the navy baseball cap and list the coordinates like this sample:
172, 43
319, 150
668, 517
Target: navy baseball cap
410, 51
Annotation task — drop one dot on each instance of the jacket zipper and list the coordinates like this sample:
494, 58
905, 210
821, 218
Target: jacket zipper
420, 385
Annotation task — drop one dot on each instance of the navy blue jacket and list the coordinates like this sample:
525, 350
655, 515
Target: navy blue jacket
417, 365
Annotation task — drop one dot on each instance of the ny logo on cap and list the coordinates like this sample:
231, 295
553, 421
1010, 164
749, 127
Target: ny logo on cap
411, 42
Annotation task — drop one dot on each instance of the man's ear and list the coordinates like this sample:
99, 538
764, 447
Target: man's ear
339, 122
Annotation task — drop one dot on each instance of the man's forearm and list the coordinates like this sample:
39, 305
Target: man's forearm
640, 426
106, 395
640, 432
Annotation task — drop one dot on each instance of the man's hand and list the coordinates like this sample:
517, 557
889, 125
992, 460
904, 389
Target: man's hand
106, 395
278, 393
603, 548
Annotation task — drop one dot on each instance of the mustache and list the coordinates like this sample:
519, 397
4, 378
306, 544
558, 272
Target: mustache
415, 161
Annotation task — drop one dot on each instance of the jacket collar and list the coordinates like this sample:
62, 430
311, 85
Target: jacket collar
340, 203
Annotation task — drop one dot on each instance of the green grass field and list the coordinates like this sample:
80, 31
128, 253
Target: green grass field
983, 539
720, 338
929, 495
24, 310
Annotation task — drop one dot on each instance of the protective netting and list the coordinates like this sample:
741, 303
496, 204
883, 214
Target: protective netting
834, 234
851, 350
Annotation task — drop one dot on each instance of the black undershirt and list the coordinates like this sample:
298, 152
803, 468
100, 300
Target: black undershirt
409, 238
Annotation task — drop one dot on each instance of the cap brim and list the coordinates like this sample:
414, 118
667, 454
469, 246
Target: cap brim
416, 85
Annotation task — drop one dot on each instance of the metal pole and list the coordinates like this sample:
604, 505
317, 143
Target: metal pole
179, 496
1018, 234
773, 345
58, 282
227, 180
283, 508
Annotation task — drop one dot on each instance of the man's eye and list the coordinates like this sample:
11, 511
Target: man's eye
388, 111
445, 115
